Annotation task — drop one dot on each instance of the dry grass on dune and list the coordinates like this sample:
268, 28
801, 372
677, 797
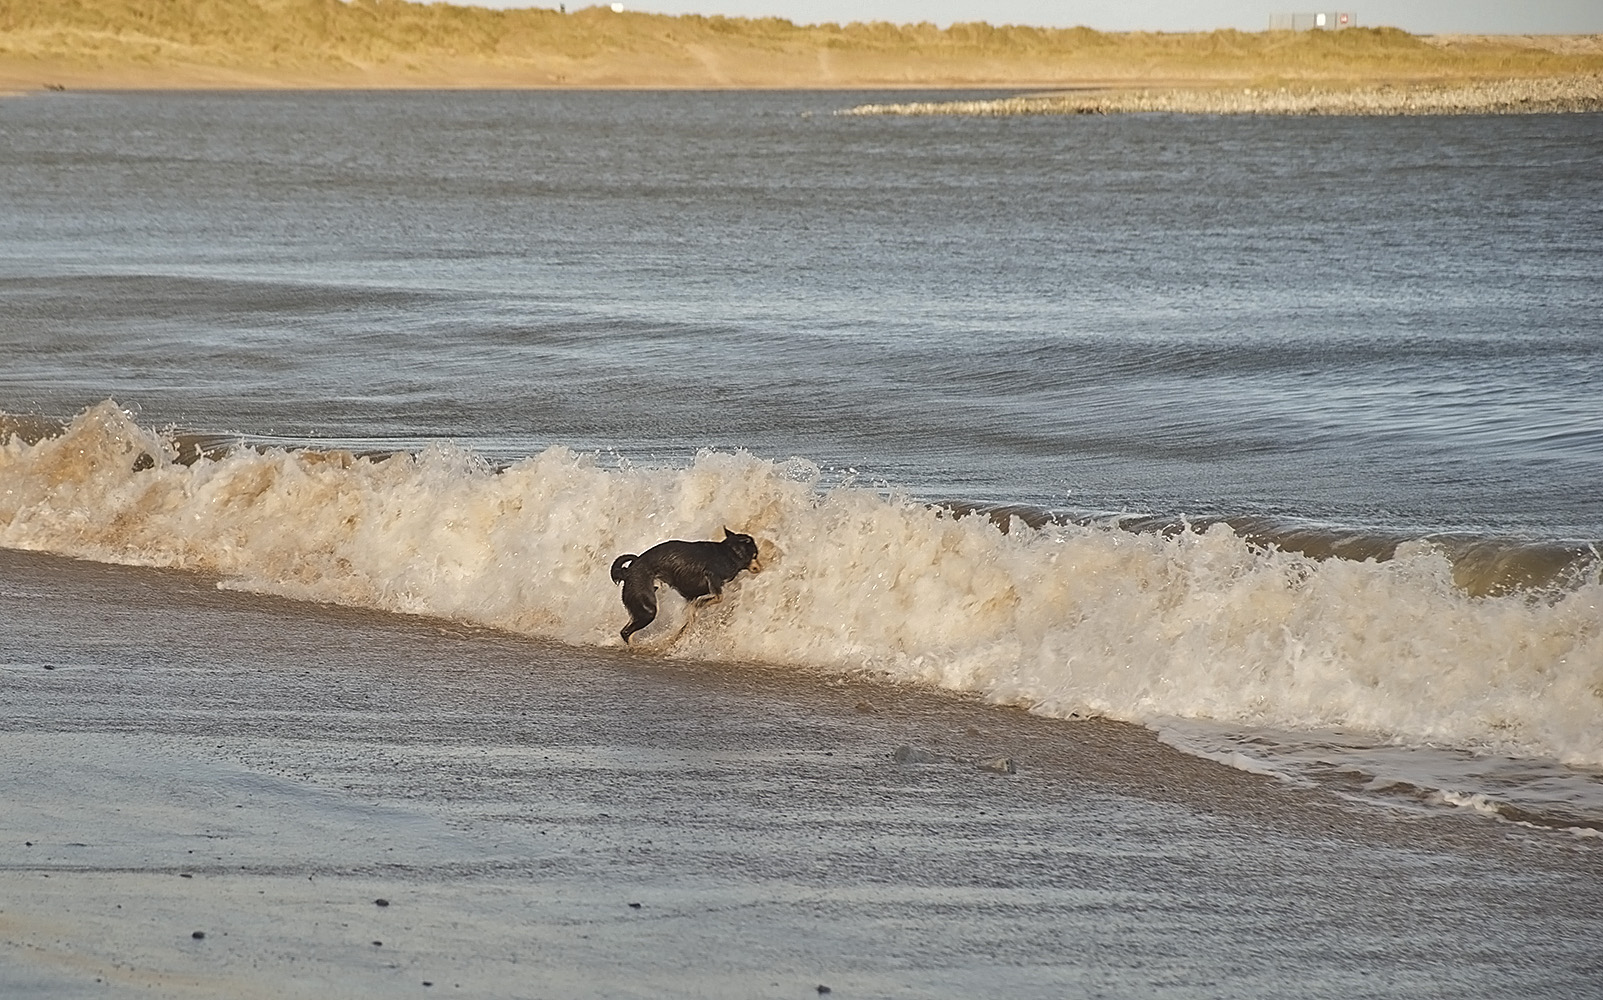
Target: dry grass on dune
396, 43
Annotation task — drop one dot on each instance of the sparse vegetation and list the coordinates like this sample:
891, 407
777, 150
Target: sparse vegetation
396, 43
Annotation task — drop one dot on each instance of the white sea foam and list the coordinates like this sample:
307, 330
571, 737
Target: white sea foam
1066, 619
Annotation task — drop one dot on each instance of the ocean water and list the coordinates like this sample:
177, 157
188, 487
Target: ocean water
1280, 436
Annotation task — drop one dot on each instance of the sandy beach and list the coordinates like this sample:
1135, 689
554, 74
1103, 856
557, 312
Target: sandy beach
230, 795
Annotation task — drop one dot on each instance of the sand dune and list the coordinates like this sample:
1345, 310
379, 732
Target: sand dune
393, 44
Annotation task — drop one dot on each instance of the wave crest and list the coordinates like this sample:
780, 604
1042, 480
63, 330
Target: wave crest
1199, 622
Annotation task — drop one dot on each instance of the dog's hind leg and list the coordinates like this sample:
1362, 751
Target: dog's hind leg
640, 597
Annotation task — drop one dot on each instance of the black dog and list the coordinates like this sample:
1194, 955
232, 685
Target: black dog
698, 570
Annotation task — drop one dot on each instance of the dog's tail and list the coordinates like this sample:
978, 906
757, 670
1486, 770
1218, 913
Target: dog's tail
620, 567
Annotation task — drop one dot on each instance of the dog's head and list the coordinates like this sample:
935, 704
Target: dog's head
744, 548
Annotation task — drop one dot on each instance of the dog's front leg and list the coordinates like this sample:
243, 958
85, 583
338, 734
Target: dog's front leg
690, 612
714, 594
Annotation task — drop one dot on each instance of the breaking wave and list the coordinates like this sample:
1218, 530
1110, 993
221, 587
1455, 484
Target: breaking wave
1203, 622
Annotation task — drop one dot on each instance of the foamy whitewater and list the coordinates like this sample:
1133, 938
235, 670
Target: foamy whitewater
1065, 619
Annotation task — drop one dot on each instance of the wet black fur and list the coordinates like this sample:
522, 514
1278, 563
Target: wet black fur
698, 570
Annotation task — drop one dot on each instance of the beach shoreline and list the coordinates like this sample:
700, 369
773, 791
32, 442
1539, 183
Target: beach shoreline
222, 793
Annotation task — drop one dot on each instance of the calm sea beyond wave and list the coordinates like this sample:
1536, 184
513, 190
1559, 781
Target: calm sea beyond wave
1282, 438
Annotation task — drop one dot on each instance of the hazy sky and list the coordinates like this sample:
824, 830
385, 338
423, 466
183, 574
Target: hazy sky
1417, 16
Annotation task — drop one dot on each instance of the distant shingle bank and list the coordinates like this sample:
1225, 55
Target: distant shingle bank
1501, 97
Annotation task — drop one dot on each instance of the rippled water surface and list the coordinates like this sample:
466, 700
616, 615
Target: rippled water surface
1388, 323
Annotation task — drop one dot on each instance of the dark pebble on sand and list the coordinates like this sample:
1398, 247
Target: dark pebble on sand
381, 902
634, 906
50, 666
199, 935
378, 944
822, 989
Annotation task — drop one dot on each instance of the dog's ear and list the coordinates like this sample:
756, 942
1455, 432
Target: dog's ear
727, 532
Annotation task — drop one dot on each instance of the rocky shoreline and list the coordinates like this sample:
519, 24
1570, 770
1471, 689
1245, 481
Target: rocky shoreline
1501, 97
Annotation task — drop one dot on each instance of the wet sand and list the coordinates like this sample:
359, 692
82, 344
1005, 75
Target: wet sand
210, 793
